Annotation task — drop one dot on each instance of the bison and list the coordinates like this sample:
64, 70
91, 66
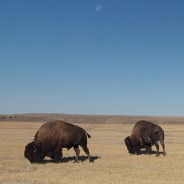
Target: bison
144, 135
52, 137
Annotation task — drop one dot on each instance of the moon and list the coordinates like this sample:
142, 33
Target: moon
99, 7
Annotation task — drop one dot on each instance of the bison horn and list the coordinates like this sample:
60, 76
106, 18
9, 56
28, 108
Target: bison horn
141, 142
35, 149
127, 140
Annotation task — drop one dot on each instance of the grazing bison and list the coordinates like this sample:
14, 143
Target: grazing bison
144, 135
52, 137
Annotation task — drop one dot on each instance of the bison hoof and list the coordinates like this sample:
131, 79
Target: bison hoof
75, 161
90, 160
164, 154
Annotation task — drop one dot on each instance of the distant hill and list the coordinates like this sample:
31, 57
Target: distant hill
124, 119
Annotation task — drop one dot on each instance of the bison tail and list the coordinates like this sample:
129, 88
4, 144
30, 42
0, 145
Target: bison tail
88, 135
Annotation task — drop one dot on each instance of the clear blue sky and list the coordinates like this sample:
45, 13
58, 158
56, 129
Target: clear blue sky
92, 56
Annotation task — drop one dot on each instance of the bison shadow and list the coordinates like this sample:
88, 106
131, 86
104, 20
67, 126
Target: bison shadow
69, 159
144, 152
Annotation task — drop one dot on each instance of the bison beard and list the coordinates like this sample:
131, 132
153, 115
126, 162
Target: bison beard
144, 135
52, 137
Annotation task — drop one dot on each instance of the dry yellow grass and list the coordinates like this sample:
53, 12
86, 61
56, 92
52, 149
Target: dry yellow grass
115, 165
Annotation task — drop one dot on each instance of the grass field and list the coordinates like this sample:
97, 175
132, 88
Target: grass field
112, 162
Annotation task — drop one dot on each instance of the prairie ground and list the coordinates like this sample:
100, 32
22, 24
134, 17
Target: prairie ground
112, 163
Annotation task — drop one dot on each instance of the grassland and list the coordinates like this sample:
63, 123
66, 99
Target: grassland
112, 162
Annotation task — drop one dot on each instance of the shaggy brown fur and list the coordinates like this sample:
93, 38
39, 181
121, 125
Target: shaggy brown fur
52, 137
144, 135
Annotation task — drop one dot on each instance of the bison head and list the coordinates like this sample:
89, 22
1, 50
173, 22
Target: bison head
129, 146
33, 153
132, 146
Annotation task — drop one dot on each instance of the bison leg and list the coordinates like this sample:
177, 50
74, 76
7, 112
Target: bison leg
77, 151
157, 147
148, 149
163, 146
58, 154
137, 150
86, 150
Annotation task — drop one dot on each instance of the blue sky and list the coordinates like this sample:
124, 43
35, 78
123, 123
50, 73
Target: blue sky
121, 57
